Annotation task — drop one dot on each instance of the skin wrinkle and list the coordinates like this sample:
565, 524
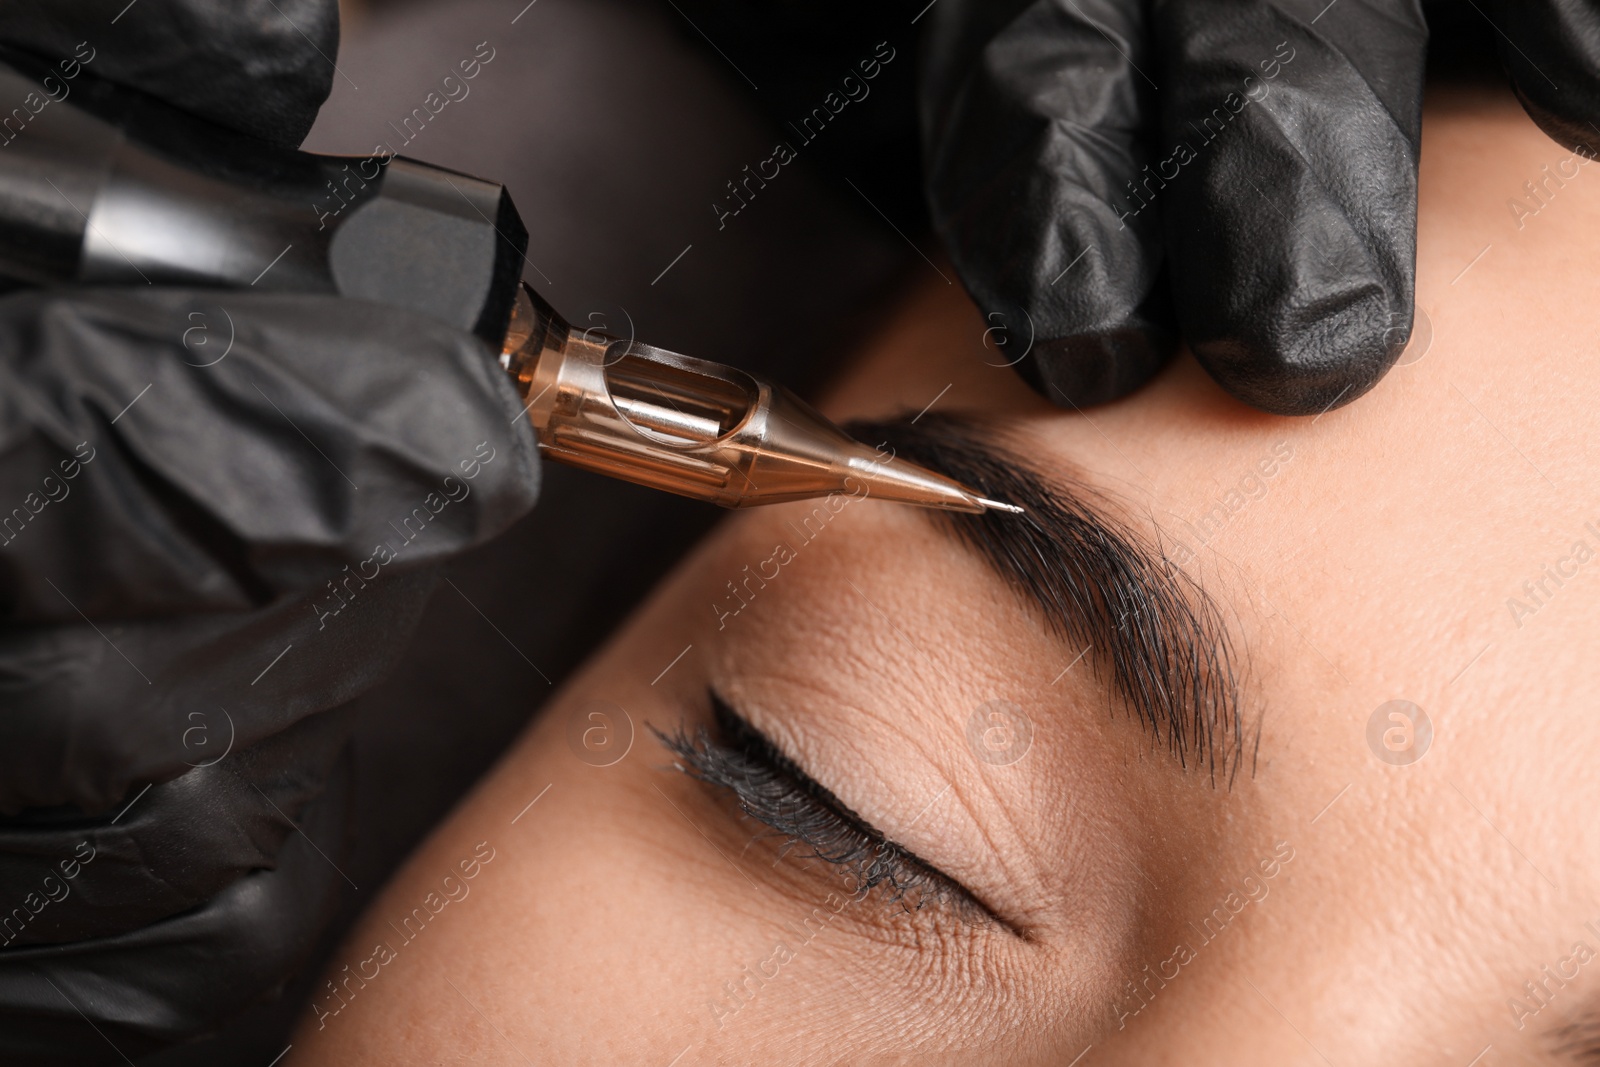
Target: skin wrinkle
792, 732
944, 788
1025, 862
997, 854
1014, 852
860, 763
1159, 635
792, 735
774, 790
857, 769
904, 808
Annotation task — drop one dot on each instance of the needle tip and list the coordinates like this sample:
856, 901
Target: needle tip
995, 505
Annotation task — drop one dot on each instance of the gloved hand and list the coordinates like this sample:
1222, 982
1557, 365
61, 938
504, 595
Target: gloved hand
1105, 172
220, 517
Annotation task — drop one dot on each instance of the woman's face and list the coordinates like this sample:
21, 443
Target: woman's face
1275, 747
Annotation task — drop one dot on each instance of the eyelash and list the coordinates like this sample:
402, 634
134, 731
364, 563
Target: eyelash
773, 790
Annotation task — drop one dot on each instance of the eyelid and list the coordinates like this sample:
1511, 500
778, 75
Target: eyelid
818, 819
1088, 572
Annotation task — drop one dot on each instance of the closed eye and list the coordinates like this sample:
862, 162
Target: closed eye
774, 790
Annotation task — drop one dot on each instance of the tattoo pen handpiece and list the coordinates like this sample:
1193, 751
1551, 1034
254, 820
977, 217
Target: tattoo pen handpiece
636, 412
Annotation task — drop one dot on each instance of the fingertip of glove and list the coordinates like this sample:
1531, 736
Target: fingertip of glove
1305, 374
1089, 369
1575, 135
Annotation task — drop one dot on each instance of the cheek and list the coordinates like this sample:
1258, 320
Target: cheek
602, 931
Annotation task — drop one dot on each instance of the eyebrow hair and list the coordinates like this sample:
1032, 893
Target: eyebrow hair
1140, 619
1577, 1041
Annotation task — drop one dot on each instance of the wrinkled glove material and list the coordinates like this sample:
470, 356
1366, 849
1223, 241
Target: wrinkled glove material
262, 67
1110, 174
221, 515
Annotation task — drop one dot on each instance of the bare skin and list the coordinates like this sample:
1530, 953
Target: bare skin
1331, 905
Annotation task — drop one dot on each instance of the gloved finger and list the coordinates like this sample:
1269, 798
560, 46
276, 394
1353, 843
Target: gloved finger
1035, 115
93, 712
168, 847
182, 976
1551, 49
263, 67
1291, 191
171, 451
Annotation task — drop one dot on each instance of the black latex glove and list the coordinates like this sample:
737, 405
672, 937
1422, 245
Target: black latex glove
1243, 172
221, 514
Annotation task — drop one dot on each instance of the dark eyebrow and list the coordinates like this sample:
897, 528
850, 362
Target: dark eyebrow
1578, 1041
1146, 624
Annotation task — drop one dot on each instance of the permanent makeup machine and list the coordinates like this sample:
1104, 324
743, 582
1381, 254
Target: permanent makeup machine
105, 186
